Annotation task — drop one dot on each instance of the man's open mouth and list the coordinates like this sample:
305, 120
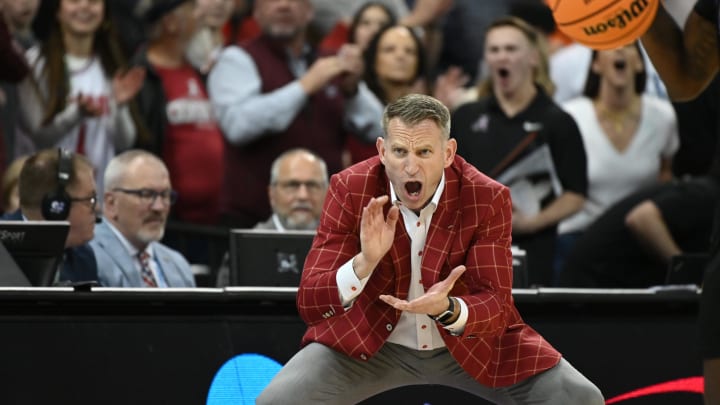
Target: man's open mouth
503, 72
413, 187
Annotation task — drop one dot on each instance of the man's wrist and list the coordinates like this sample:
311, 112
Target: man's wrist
352, 265
360, 266
449, 315
349, 87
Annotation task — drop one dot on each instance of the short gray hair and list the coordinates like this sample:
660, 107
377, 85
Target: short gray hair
415, 108
116, 169
275, 168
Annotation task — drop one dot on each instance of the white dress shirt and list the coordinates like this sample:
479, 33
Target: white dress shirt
416, 331
132, 251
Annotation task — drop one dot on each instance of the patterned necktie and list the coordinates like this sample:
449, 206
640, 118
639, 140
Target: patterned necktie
145, 272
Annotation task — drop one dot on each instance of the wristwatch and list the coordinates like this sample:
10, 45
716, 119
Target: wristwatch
446, 315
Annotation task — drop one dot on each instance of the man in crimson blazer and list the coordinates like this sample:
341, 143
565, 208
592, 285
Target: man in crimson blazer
418, 291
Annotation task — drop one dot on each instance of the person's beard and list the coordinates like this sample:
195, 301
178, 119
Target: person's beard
282, 34
300, 222
148, 235
310, 225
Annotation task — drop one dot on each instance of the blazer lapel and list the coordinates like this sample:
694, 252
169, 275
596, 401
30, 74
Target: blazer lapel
167, 266
443, 226
118, 254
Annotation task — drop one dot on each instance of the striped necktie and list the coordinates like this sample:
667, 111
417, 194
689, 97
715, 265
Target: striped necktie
145, 272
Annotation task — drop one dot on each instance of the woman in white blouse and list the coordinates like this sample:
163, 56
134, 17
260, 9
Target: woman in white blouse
629, 137
77, 96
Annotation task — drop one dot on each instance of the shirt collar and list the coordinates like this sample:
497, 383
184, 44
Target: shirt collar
536, 105
278, 223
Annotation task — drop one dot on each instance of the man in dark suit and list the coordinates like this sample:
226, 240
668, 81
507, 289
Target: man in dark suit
425, 299
56, 184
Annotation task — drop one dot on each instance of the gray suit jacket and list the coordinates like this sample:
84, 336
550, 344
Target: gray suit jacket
117, 269
269, 224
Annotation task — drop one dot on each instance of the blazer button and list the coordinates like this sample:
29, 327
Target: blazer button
388, 327
363, 356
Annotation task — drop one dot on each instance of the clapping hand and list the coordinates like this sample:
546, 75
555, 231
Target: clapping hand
449, 86
127, 84
376, 235
91, 106
434, 301
351, 62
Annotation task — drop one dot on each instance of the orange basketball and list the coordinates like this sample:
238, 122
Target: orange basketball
604, 24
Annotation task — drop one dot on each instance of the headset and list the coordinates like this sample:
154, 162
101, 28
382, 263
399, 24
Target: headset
56, 204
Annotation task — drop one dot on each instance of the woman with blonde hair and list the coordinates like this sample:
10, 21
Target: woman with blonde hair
517, 135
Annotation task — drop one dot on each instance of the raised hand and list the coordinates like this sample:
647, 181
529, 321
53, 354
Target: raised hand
434, 301
449, 86
127, 84
351, 61
320, 73
376, 235
91, 106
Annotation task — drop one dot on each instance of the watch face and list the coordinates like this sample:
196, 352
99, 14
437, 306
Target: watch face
444, 316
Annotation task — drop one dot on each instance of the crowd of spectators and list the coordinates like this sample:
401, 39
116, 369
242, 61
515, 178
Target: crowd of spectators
217, 90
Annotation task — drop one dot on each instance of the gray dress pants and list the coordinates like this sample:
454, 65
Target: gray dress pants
320, 375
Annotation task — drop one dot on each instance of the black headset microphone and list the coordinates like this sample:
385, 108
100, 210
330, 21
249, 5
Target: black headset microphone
56, 204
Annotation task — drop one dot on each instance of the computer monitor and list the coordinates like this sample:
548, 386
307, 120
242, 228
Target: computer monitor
36, 247
265, 258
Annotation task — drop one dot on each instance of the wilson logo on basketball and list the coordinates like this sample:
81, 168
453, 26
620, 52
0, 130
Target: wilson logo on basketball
619, 21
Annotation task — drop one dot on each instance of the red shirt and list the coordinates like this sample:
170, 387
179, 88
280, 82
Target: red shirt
193, 146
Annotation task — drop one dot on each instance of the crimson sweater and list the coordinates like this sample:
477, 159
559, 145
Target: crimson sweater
318, 127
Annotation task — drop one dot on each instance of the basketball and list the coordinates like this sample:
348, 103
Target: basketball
604, 24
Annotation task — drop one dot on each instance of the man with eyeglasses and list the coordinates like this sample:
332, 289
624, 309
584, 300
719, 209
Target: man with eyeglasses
298, 183
38, 180
136, 205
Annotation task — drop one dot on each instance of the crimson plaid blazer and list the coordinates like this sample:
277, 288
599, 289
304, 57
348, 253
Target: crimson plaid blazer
471, 226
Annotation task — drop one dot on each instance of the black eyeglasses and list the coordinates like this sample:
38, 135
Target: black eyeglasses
148, 195
92, 200
293, 186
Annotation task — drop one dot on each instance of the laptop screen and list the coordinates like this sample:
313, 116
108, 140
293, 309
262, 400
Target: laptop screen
265, 258
36, 246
